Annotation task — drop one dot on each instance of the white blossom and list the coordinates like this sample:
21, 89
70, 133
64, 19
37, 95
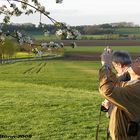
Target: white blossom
2, 38
56, 45
19, 34
46, 33
13, 5
28, 40
51, 44
21, 41
39, 53
59, 32
44, 45
69, 35
62, 44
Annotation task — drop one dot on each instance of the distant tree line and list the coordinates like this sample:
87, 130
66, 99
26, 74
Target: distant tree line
83, 29
28, 27
95, 29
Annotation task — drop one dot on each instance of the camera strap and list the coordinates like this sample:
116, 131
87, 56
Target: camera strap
98, 125
107, 133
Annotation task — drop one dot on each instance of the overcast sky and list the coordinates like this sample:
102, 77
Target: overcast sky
89, 12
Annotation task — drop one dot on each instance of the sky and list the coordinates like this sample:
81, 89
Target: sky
86, 12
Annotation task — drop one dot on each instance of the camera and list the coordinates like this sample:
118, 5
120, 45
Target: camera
103, 109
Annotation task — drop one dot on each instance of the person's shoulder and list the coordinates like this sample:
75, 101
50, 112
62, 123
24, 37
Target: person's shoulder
134, 85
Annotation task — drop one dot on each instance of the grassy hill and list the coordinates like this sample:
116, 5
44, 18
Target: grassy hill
99, 49
128, 30
116, 35
50, 100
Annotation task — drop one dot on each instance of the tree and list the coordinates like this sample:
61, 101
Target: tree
7, 49
106, 26
29, 7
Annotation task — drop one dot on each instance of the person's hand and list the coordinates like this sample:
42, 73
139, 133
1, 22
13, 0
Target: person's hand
106, 56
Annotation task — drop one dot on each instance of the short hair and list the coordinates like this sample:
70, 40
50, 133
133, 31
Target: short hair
121, 57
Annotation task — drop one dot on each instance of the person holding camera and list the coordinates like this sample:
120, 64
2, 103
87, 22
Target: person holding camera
124, 96
106, 106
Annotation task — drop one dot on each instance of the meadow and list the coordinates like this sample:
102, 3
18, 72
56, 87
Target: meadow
40, 37
128, 30
131, 31
99, 49
51, 100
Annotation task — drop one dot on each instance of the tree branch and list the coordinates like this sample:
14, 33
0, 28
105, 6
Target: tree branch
20, 1
8, 1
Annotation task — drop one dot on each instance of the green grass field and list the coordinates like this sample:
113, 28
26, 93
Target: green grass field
128, 30
39, 37
100, 37
53, 100
117, 31
50, 100
99, 49
24, 55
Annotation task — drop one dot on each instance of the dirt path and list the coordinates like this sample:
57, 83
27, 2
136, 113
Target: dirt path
103, 42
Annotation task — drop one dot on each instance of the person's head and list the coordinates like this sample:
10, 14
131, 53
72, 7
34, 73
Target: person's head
121, 61
134, 70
